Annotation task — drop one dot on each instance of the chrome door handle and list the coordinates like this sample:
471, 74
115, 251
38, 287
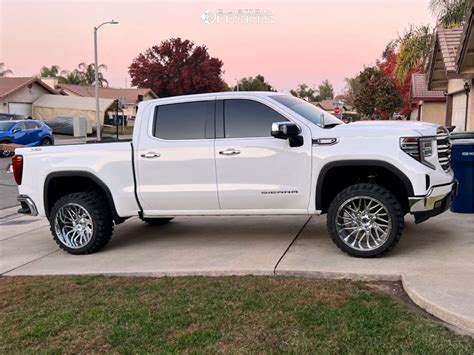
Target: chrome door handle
150, 155
229, 151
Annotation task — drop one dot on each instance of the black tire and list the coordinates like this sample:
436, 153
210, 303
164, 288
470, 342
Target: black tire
46, 141
156, 221
394, 214
5, 154
96, 205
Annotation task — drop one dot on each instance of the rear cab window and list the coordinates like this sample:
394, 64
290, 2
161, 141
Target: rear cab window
183, 121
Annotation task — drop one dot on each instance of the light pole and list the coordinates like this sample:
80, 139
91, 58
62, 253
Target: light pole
96, 73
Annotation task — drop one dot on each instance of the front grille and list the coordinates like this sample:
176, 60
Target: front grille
444, 148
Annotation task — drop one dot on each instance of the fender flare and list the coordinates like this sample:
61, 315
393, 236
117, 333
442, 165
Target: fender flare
378, 163
85, 174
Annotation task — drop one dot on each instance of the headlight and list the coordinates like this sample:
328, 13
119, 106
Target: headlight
419, 148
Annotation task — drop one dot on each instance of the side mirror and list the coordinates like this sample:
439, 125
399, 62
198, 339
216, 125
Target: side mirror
16, 130
285, 130
288, 130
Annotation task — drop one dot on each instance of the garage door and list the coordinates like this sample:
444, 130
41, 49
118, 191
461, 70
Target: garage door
20, 108
459, 111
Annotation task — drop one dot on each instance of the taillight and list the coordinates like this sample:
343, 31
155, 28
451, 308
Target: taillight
17, 164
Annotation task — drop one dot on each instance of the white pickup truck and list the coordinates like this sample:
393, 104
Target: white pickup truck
242, 153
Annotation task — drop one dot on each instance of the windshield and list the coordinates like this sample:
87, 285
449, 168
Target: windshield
307, 110
6, 126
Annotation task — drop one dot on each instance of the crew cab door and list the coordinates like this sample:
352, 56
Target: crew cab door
175, 159
256, 171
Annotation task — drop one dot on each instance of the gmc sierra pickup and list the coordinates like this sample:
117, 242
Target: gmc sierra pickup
242, 153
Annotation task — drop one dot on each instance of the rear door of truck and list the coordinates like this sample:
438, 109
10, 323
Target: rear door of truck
175, 167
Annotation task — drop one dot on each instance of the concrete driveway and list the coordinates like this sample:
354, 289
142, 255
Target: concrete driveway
434, 260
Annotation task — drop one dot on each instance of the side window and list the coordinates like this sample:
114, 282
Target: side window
190, 120
21, 125
31, 125
247, 118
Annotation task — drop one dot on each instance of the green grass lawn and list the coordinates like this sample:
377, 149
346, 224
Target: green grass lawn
90, 314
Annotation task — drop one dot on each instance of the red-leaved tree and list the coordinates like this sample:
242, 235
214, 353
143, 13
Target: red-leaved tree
388, 66
177, 67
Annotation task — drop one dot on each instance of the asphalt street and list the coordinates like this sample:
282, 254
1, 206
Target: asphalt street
8, 188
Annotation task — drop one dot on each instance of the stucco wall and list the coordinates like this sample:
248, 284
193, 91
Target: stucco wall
455, 85
434, 112
24, 95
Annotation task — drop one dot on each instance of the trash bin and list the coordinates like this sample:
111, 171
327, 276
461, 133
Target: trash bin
462, 161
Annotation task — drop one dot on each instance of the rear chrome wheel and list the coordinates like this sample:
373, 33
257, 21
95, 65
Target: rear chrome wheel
365, 220
73, 225
81, 222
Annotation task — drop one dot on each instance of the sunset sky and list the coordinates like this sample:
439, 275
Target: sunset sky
307, 41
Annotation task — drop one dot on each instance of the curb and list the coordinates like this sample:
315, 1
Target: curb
438, 311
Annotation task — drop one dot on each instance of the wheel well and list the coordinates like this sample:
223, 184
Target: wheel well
59, 185
334, 179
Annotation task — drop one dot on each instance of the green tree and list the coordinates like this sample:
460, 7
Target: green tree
257, 83
50, 72
450, 13
305, 92
4, 72
414, 49
352, 88
87, 74
326, 90
378, 95
70, 77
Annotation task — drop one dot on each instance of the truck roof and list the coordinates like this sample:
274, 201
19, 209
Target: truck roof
216, 95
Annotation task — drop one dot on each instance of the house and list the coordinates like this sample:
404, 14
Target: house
330, 105
18, 94
465, 69
451, 70
427, 105
131, 96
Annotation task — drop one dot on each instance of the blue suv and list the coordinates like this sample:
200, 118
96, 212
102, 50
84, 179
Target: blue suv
25, 132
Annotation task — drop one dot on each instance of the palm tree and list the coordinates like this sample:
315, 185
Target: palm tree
414, 50
70, 77
50, 72
87, 74
4, 72
450, 13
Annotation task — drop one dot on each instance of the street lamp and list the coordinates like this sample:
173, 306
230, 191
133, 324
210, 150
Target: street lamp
96, 70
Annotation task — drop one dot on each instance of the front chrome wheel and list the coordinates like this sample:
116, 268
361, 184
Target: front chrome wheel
73, 225
363, 223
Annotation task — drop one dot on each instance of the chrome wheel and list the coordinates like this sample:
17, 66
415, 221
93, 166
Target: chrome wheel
73, 225
363, 223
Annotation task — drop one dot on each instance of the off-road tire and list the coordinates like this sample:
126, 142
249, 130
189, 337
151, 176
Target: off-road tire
96, 205
391, 204
156, 221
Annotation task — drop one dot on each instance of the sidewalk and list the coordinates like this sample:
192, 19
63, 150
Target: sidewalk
434, 260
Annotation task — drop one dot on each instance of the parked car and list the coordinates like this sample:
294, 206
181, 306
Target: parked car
63, 125
242, 153
25, 132
10, 116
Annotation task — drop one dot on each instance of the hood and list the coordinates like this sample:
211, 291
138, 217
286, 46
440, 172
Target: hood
386, 128
5, 133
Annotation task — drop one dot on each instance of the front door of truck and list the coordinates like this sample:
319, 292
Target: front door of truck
175, 159
256, 171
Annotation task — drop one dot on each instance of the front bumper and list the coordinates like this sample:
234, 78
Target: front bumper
438, 200
27, 205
